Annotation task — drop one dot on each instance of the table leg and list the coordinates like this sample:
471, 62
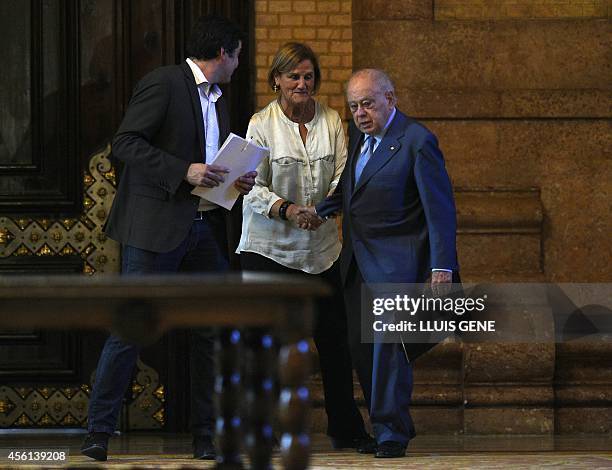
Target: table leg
228, 388
260, 396
294, 405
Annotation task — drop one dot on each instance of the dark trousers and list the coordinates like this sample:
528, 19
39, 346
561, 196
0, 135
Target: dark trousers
384, 372
202, 251
330, 337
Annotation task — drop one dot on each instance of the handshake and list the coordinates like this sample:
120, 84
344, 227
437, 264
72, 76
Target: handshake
305, 217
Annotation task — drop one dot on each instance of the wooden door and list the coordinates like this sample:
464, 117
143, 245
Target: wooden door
69, 69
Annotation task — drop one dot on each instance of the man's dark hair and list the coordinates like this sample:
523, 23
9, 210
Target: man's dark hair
210, 33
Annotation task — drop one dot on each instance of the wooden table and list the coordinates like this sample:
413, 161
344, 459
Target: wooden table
249, 309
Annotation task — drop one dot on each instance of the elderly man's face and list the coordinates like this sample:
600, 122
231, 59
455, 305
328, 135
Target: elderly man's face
370, 106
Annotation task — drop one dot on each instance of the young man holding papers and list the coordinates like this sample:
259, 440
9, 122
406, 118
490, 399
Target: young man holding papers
169, 136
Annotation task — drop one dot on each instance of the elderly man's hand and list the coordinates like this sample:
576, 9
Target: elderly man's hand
245, 183
304, 217
441, 283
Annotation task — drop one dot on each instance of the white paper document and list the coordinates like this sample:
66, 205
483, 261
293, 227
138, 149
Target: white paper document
240, 156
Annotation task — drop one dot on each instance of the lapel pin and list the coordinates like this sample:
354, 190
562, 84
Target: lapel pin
392, 148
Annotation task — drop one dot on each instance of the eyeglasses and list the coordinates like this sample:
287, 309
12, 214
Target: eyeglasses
365, 104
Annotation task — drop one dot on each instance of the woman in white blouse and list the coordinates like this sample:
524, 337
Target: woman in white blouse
307, 156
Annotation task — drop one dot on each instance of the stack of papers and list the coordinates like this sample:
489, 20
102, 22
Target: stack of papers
240, 156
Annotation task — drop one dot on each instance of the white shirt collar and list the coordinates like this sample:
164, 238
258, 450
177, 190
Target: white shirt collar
213, 93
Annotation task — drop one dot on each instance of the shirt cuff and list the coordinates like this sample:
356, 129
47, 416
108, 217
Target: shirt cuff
273, 200
441, 269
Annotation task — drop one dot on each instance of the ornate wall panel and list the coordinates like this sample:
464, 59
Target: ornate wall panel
146, 408
43, 355
43, 407
47, 406
82, 236
47, 245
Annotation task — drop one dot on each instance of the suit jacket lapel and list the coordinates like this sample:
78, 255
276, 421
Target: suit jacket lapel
387, 147
352, 160
196, 106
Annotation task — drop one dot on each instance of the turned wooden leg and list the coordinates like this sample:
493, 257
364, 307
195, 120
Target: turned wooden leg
228, 387
294, 405
260, 397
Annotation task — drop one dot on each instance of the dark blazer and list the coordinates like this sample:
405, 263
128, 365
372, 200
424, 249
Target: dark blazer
399, 220
162, 133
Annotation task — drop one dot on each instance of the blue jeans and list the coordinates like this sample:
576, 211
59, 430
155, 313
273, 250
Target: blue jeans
203, 250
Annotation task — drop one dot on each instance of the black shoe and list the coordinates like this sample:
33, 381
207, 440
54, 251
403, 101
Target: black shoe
363, 445
203, 448
390, 450
95, 446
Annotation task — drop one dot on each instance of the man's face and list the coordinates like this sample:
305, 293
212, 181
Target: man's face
370, 106
230, 63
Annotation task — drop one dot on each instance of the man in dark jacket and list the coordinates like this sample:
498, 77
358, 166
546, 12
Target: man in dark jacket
174, 125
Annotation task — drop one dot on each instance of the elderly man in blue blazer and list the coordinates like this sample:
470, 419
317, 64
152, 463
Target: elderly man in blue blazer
399, 226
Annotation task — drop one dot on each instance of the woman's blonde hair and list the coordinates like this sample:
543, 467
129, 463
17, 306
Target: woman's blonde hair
288, 57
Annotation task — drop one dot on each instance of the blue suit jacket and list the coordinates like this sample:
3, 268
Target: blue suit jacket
399, 220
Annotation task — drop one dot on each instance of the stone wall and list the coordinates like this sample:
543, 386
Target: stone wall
518, 93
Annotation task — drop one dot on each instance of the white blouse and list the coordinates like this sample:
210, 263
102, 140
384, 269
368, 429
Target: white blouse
302, 173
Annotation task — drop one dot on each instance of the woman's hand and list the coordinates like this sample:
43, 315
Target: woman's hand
304, 217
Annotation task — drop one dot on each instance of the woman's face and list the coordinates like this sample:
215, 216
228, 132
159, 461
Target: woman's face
297, 85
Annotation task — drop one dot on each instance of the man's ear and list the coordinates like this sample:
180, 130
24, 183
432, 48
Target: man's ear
222, 53
390, 97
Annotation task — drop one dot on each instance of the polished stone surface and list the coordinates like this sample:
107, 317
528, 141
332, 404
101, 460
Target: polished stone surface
157, 450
